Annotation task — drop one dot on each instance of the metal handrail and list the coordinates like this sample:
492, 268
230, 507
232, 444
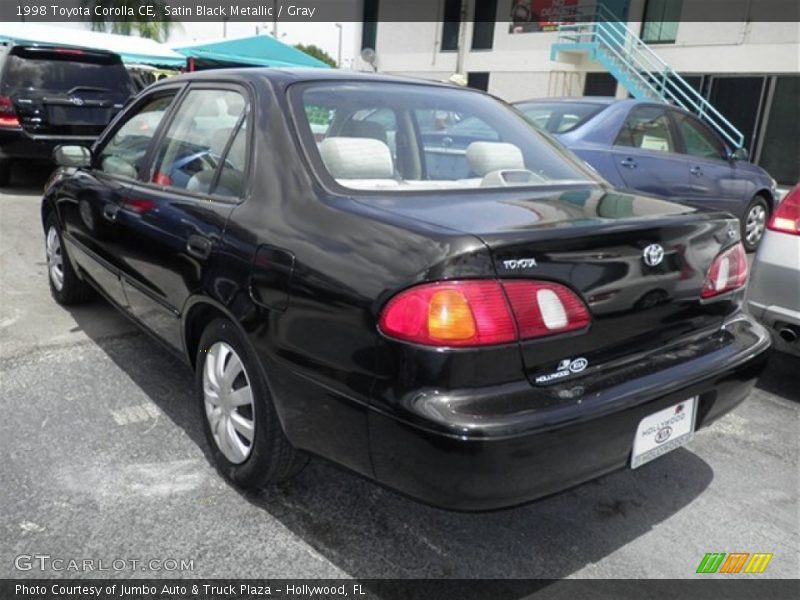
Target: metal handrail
596, 25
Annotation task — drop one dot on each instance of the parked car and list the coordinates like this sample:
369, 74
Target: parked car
773, 296
51, 95
473, 342
660, 149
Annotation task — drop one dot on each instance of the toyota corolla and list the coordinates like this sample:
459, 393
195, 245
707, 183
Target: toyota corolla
475, 327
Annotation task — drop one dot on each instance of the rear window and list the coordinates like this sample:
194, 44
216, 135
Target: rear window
65, 70
559, 117
391, 136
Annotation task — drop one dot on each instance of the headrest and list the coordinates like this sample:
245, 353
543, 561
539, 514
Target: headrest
365, 129
356, 158
486, 157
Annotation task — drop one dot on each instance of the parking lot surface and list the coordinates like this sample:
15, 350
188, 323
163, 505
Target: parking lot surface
104, 459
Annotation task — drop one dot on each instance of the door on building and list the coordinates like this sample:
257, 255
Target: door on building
739, 100
600, 84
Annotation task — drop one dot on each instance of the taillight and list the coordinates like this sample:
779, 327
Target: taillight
786, 217
8, 116
542, 308
728, 272
482, 313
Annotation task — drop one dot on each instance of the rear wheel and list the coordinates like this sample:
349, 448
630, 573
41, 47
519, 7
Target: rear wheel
65, 285
754, 223
241, 426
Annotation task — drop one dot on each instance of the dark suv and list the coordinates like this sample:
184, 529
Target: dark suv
51, 95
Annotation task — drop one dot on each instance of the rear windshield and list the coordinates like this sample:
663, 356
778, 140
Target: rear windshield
394, 136
559, 117
64, 71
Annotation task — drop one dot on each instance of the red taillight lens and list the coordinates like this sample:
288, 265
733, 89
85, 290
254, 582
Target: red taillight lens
728, 272
481, 313
8, 116
786, 217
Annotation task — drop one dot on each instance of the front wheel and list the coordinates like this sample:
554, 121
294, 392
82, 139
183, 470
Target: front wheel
240, 422
754, 223
65, 285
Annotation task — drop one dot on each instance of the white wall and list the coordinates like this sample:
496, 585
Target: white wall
520, 64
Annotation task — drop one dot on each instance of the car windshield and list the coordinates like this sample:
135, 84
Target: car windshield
397, 136
559, 117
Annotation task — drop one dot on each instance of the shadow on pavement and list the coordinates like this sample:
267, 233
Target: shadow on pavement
781, 376
371, 532
28, 179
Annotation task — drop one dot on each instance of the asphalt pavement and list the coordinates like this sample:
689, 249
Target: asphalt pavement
104, 459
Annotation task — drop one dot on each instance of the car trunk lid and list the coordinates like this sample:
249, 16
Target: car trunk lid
638, 263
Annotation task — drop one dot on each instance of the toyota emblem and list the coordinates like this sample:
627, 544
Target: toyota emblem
653, 255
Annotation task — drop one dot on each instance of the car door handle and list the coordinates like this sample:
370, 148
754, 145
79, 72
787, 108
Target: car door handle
198, 246
629, 163
110, 211
696, 171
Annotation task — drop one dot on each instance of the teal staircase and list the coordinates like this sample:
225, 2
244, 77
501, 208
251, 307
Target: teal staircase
598, 33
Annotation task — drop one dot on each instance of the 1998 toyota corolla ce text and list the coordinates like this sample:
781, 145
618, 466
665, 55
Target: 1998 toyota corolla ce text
474, 326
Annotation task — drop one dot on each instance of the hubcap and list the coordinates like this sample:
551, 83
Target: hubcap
755, 223
55, 261
228, 401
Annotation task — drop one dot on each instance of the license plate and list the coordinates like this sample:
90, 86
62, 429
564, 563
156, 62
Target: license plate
663, 431
78, 115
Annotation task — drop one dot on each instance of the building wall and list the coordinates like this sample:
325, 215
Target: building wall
521, 67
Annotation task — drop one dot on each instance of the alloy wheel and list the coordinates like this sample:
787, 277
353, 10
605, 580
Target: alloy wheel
228, 400
755, 223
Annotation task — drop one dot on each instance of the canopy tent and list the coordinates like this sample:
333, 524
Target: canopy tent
257, 50
132, 49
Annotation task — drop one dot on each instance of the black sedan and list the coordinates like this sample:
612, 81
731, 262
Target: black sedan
475, 337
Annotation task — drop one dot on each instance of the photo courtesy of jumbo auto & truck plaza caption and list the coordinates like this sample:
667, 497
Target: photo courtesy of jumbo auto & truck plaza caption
399, 300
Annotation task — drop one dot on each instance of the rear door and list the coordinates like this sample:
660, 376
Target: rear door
175, 213
90, 222
712, 178
64, 92
646, 153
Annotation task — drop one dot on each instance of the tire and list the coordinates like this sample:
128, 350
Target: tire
754, 223
5, 174
65, 285
249, 447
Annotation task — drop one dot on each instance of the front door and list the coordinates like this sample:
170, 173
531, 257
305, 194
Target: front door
91, 230
712, 179
175, 214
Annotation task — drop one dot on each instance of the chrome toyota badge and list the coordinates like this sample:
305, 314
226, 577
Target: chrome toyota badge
653, 255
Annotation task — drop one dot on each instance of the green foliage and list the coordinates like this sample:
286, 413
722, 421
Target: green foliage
317, 53
137, 25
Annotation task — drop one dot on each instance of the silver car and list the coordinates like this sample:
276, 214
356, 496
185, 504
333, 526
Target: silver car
773, 295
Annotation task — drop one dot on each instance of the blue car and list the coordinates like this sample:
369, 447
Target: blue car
660, 149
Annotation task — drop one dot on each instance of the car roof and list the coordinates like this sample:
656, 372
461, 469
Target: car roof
599, 100
285, 76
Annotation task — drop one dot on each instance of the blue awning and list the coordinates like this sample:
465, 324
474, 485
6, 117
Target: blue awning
257, 50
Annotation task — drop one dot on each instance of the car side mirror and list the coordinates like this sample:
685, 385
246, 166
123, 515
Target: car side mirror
739, 154
72, 156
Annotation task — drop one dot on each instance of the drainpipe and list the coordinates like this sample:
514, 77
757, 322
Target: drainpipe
462, 37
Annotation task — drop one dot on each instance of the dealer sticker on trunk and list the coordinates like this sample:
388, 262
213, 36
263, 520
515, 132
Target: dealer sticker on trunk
663, 431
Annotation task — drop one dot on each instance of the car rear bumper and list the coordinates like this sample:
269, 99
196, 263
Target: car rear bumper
18, 144
494, 463
773, 294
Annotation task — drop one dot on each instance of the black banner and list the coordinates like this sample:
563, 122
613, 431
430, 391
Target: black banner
360, 10
731, 588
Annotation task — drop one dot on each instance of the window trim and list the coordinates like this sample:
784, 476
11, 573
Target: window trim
247, 93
